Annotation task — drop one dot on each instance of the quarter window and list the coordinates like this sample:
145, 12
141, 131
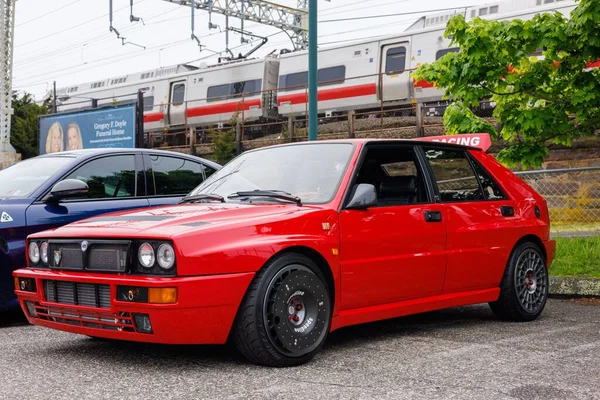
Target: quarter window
175, 176
395, 60
491, 190
108, 177
455, 178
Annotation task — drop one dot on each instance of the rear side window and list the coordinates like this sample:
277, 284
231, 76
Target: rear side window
455, 178
491, 190
108, 177
175, 176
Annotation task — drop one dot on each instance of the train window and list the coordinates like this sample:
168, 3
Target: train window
247, 87
299, 79
494, 10
178, 94
483, 11
474, 13
395, 60
442, 53
148, 103
218, 93
332, 75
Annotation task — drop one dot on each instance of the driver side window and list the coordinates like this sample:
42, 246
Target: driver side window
396, 175
108, 177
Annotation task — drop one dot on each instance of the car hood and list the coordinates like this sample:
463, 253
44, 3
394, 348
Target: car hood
167, 221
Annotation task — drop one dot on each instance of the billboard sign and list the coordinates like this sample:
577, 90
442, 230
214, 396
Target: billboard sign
90, 129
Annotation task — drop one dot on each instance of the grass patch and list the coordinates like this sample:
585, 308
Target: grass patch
577, 257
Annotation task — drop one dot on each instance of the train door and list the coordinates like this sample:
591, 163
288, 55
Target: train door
177, 103
394, 81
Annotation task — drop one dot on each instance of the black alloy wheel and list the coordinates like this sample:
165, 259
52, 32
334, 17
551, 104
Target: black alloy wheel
285, 316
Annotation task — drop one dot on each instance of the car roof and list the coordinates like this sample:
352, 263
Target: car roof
87, 153
365, 141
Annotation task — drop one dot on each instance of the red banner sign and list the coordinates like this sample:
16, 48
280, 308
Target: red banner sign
479, 140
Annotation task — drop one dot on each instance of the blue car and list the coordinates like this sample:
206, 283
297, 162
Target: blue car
55, 189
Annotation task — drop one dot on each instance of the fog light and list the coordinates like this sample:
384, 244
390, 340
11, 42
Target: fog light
25, 284
133, 294
31, 308
142, 323
162, 295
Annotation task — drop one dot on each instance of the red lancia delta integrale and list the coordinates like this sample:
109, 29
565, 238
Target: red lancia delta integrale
288, 243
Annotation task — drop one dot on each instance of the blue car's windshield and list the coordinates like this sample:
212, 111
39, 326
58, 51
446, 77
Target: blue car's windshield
310, 171
23, 178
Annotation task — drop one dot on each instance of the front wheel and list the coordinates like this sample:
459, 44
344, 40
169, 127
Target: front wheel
286, 314
524, 287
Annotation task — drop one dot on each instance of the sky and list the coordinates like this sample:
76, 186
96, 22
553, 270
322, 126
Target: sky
68, 41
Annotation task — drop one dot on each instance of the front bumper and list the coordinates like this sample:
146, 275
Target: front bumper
203, 313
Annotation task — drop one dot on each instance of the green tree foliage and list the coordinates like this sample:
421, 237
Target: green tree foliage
539, 101
224, 145
24, 124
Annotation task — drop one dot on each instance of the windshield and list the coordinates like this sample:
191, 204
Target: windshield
23, 178
311, 172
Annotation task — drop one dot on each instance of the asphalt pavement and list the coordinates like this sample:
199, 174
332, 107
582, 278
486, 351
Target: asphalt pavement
461, 353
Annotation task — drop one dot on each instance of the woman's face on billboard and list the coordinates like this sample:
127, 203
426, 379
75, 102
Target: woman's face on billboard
73, 139
55, 139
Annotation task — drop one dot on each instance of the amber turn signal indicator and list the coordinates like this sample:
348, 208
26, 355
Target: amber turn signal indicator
162, 295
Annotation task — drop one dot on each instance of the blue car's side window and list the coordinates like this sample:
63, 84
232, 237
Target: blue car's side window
108, 177
175, 176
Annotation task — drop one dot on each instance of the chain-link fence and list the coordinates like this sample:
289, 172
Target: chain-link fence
573, 196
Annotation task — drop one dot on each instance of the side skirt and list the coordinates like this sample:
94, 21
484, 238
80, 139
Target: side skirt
415, 306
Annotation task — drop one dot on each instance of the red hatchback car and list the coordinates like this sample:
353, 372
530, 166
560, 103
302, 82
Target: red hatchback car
288, 243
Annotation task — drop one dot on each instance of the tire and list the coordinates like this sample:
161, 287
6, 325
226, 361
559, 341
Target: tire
524, 286
285, 316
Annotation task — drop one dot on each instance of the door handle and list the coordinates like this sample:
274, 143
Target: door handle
507, 211
433, 216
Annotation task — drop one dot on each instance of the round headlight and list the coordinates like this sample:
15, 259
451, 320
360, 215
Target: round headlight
44, 252
34, 252
165, 256
146, 255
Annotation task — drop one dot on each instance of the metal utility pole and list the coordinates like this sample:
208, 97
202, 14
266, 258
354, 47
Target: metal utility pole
54, 109
7, 31
287, 19
312, 71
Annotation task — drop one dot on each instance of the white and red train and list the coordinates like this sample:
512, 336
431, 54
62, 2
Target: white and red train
362, 75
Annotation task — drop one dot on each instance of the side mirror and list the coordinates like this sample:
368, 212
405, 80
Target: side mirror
68, 188
362, 197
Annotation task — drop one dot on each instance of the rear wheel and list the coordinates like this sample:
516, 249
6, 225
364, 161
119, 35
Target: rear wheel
286, 314
524, 287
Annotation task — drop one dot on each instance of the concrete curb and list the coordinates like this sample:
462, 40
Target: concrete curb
563, 286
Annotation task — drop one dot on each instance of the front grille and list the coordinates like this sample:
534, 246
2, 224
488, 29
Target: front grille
79, 294
121, 321
99, 255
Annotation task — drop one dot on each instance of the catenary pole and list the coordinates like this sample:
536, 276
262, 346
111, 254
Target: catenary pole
312, 70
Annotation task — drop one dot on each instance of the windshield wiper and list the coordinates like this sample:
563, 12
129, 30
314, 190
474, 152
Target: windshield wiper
198, 197
276, 194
